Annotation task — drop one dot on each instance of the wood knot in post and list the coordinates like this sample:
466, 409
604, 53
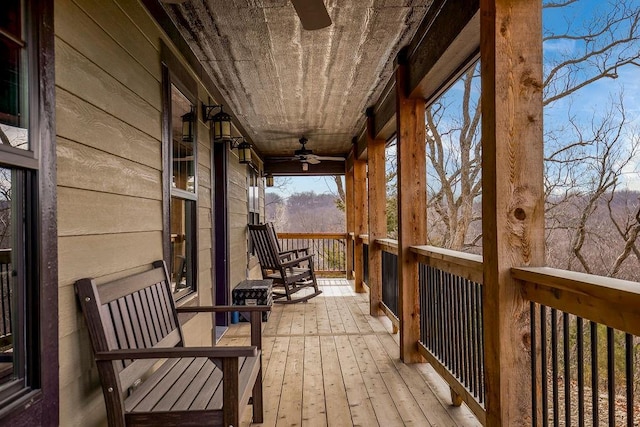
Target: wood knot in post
520, 214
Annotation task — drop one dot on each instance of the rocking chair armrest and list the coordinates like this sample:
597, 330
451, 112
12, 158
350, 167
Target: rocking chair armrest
177, 352
297, 261
295, 251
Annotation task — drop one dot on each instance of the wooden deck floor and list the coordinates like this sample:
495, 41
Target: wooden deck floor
328, 363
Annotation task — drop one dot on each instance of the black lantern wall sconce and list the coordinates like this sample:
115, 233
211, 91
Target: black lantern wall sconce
244, 148
221, 122
269, 180
188, 122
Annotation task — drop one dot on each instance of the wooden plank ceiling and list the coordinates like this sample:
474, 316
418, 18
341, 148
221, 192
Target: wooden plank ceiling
281, 81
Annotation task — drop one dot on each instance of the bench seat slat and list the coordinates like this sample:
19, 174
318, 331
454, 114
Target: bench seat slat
133, 372
213, 383
178, 388
161, 387
194, 388
146, 387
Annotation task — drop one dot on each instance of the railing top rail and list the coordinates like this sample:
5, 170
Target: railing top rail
312, 235
611, 302
390, 245
461, 264
448, 255
364, 238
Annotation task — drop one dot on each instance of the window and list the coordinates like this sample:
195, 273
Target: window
254, 199
27, 216
182, 211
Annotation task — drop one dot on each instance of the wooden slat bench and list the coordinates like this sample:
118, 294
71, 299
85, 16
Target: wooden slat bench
148, 377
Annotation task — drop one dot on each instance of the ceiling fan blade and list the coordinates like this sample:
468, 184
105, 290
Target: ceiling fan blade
331, 159
313, 14
313, 160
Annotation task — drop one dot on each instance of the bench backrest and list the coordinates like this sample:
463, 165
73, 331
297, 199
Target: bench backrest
133, 312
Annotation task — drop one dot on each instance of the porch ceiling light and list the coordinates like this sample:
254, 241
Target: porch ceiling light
221, 122
269, 180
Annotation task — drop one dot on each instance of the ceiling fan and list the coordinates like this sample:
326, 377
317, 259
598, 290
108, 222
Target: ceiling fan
305, 155
312, 13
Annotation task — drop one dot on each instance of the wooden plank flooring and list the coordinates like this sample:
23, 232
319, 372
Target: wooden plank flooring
328, 363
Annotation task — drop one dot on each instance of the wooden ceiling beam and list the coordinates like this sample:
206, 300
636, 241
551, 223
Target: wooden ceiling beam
447, 42
294, 168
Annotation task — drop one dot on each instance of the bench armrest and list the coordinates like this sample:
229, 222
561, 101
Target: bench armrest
176, 352
255, 319
222, 308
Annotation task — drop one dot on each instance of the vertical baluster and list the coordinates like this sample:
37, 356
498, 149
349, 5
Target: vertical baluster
554, 365
580, 359
534, 372
473, 309
611, 376
567, 370
480, 333
465, 333
543, 369
595, 408
628, 339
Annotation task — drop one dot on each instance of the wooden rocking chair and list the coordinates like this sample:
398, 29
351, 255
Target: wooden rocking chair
289, 269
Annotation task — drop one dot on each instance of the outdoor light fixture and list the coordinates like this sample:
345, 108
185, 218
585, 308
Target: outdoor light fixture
269, 180
221, 122
244, 148
188, 121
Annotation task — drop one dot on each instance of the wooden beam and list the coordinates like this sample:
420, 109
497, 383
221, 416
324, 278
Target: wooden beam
360, 219
442, 48
412, 209
294, 168
349, 207
512, 198
377, 197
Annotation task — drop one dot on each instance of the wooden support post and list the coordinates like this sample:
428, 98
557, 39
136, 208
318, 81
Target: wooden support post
412, 208
512, 198
377, 196
360, 219
349, 207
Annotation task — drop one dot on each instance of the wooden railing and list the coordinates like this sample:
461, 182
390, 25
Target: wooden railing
329, 250
451, 332
587, 329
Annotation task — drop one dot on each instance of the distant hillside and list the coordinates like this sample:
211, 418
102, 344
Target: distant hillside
305, 212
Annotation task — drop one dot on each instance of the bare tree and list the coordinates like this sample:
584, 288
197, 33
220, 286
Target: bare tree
584, 161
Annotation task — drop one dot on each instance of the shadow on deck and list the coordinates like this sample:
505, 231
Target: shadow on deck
328, 363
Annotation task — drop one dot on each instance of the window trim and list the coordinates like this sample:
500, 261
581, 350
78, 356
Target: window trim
39, 405
174, 73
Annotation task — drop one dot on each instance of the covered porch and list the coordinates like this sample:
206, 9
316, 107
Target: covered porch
327, 362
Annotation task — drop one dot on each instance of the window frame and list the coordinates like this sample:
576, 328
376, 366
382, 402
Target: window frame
174, 74
37, 402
